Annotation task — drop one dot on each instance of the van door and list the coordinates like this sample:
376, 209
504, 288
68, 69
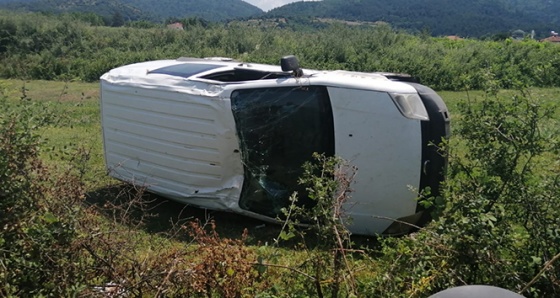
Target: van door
279, 129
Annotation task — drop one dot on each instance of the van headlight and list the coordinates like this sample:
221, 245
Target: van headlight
410, 105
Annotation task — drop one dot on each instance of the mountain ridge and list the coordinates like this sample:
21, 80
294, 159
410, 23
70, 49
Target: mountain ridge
440, 17
475, 18
158, 10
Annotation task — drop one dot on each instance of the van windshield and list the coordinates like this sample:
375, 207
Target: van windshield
279, 129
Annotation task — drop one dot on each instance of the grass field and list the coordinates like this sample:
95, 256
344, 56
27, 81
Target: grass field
73, 130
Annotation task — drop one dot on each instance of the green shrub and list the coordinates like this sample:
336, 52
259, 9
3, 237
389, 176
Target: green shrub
498, 219
36, 252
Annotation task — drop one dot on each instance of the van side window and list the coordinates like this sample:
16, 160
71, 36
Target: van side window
279, 129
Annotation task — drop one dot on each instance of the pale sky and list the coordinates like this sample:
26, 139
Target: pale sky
267, 5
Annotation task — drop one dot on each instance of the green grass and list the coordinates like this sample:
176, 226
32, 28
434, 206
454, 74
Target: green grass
75, 123
545, 96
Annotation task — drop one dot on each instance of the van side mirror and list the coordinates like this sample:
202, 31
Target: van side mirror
291, 63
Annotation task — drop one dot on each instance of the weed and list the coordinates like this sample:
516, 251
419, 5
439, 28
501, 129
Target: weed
327, 181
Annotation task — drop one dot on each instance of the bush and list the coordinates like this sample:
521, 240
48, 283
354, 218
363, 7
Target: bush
497, 221
36, 252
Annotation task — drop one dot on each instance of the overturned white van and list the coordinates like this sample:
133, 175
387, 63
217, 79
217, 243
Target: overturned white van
232, 136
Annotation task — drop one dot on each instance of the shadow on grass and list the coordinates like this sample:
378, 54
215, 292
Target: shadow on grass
126, 205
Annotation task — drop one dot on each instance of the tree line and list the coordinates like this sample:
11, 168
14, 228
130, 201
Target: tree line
66, 47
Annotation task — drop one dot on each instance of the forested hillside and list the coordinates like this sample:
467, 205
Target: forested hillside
477, 18
104, 8
155, 10
211, 10
439, 17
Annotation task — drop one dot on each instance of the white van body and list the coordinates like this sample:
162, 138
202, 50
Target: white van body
232, 136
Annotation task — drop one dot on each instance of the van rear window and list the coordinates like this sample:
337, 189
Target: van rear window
185, 70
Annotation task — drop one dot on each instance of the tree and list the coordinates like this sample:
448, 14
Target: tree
117, 20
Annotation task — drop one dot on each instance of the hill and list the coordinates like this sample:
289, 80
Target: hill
476, 18
105, 8
211, 10
440, 17
155, 10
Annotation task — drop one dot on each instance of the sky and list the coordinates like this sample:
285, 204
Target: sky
267, 5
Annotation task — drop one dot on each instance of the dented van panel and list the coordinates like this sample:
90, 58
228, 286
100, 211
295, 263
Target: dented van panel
179, 144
